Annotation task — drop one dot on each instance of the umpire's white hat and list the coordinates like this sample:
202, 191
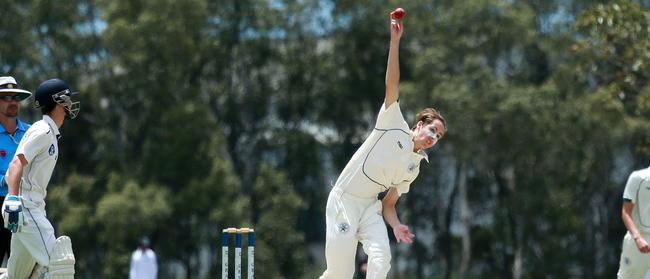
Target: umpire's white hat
9, 85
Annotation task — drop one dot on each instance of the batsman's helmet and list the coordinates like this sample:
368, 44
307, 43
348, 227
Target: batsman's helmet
55, 91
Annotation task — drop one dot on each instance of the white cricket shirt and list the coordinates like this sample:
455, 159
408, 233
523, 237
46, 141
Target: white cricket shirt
637, 191
385, 159
40, 148
143, 265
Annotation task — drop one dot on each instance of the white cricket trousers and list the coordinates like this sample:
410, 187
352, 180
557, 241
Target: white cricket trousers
633, 263
33, 244
350, 220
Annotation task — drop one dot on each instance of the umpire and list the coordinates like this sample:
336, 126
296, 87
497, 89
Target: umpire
11, 131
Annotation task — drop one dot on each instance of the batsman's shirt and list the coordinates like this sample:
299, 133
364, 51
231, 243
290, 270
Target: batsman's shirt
386, 159
637, 191
40, 148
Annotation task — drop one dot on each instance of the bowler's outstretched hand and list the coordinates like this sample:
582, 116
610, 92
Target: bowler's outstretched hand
396, 30
402, 233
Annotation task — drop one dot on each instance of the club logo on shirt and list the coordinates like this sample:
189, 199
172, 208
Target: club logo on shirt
343, 227
626, 261
400, 145
411, 168
51, 150
3, 153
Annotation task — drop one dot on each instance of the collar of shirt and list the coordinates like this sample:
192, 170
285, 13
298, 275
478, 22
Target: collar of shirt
422, 155
53, 126
20, 126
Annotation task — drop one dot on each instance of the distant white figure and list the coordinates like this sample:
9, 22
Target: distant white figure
143, 262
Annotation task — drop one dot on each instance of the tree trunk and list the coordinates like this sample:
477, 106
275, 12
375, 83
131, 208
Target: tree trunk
446, 234
464, 216
511, 229
589, 247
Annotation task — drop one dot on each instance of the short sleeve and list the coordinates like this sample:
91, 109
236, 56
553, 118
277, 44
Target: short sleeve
403, 187
32, 144
391, 117
632, 187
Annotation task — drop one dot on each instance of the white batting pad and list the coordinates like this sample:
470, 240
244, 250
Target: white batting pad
61, 260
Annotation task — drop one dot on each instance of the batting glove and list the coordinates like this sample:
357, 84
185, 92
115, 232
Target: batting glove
12, 212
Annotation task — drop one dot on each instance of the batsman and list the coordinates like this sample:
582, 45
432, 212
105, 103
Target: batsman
35, 252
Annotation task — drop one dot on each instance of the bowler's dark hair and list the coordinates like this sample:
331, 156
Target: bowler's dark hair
428, 115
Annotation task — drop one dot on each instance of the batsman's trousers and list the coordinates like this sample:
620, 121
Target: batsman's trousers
33, 244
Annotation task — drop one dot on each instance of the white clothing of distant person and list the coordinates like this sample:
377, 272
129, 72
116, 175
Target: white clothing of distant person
143, 264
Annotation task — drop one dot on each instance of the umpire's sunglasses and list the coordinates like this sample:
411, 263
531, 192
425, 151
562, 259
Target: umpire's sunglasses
8, 98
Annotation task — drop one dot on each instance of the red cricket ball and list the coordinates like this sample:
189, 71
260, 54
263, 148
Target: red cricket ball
398, 13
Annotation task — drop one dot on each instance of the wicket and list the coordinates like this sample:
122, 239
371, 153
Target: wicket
225, 255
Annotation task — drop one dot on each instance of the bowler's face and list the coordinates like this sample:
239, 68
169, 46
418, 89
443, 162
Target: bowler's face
428, 135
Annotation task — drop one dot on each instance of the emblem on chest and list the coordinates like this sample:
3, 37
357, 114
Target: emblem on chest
52, 150
343, 227
412, 167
